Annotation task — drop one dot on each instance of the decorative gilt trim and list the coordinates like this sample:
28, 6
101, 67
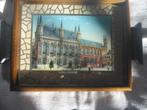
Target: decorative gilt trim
74, 1
15, 43
74, 89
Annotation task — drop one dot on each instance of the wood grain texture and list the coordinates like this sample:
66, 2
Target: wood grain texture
130, 79
74, 89
15, 43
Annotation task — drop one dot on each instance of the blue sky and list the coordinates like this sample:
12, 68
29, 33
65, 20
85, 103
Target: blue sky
93, 28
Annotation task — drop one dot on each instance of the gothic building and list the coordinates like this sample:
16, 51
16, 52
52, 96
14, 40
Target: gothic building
64, 48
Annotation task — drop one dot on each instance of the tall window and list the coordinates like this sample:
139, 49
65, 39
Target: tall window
39, 61
51, 48
47, 48
63, 49
44, 48
44, 60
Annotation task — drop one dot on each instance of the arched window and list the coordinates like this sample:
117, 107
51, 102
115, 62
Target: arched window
44, 48
51, 48
47, 48
58, 49
64, 48
44, 60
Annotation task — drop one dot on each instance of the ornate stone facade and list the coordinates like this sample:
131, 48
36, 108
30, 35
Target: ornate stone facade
65, 48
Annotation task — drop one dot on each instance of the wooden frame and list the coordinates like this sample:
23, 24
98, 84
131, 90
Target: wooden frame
118, 79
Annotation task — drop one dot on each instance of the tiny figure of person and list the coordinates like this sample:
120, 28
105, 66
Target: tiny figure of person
51, 64
107, 67
89, 67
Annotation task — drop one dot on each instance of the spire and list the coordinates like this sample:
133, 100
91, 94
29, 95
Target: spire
40, 19
78, 28
52, 25
75, 29
61, 31
78, 34
61, 24
104, 40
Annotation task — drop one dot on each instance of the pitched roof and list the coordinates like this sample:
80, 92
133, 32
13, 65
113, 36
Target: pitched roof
54, 32
68, 35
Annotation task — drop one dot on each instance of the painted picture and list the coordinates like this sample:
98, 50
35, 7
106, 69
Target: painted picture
75, 42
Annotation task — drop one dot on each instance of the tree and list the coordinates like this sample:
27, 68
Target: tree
51, 64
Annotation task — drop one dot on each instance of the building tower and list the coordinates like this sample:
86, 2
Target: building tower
61, 32
75, 29
105, 41
39, 28
78, 34
77, 60
61, 36
36, 56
